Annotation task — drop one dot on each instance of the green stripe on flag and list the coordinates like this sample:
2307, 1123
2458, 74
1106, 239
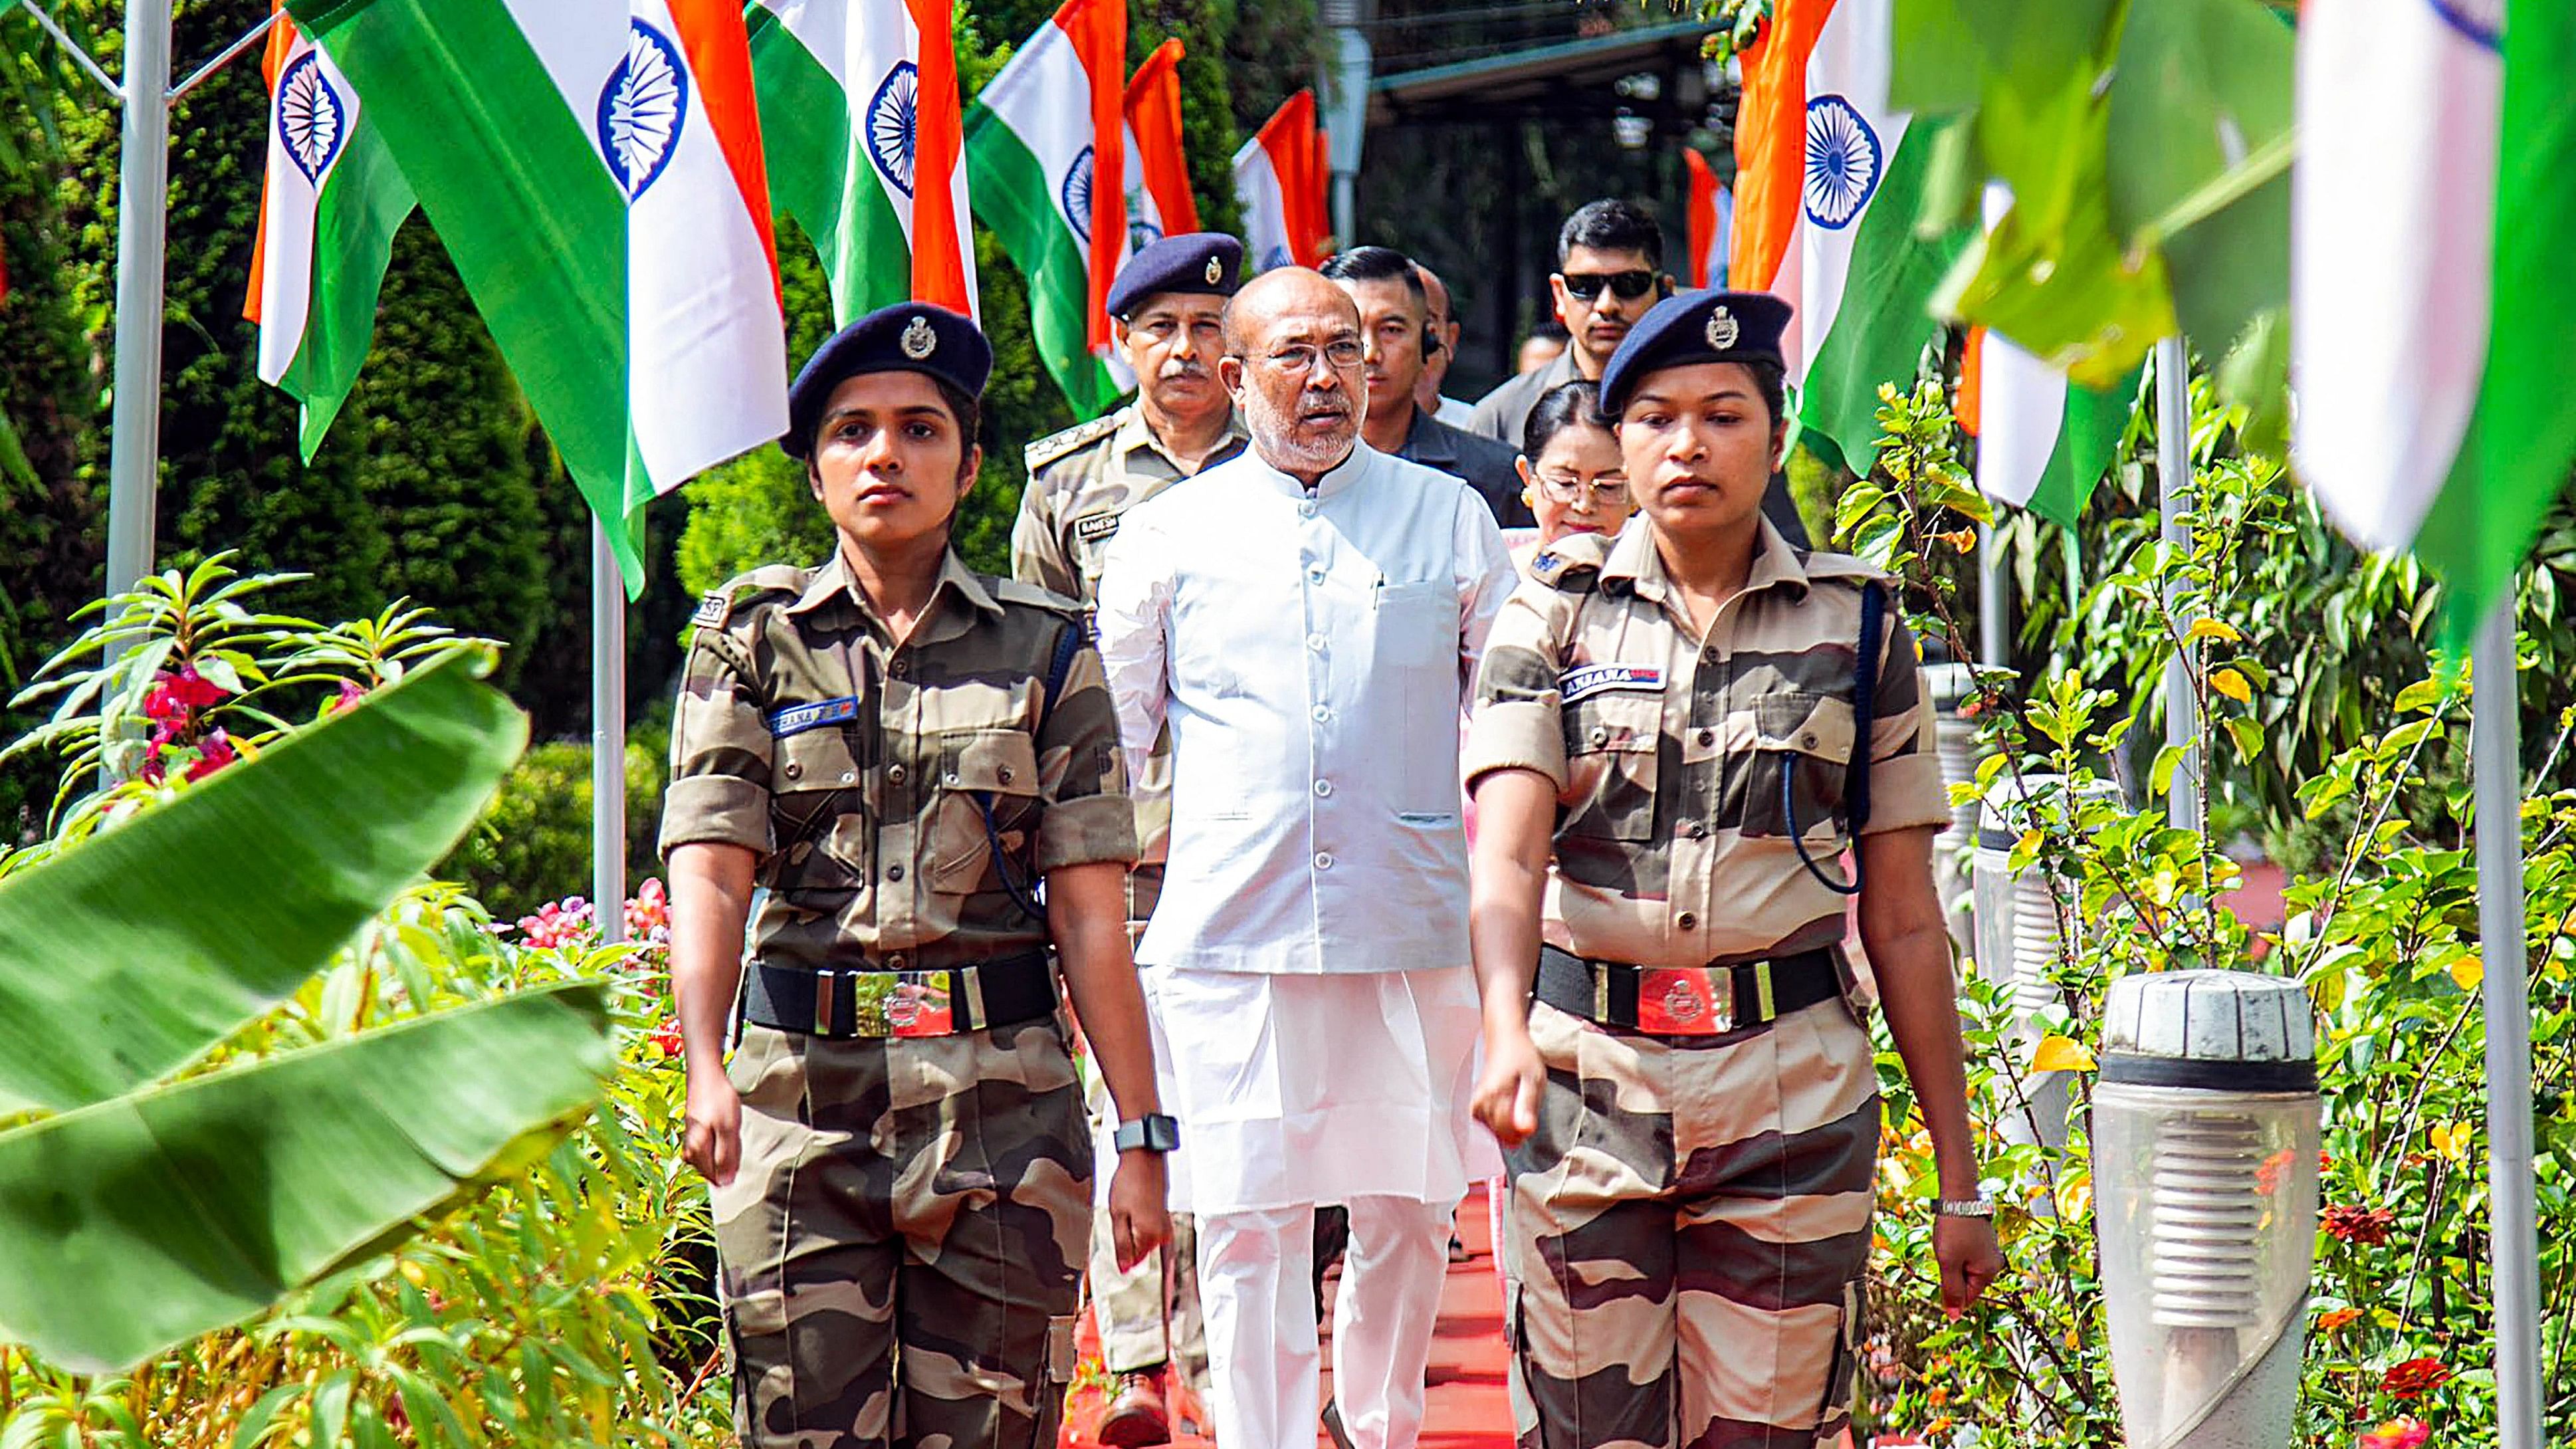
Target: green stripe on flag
526, 209
1885, 317
362, 205
2514, 462
819, 175
1013, 198
2087, 439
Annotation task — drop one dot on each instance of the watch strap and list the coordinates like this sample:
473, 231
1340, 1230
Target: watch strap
1975, 1207
1154, 1132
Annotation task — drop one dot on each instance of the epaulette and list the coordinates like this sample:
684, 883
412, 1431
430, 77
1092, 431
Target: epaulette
1842, 568
1573, 563
1013, 591
1056, 446
718, 605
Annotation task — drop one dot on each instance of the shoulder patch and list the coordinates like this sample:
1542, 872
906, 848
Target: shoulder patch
1573, 563
1055, 447
717, 606
1093, 527
1012, 591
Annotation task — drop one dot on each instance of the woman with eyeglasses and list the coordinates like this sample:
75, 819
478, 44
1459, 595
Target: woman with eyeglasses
1571, 473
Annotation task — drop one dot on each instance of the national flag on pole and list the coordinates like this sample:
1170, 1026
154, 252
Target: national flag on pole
1159, 200
1712, 215
1279, 179
526, 127
2041, 443
1043, 140
328, 211
860, 123
1864, 279
1770, 144
2431, 220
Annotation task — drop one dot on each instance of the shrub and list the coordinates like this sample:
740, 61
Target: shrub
533, 843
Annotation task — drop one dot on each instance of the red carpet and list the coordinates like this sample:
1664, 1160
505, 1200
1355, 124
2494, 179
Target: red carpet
1470, 1403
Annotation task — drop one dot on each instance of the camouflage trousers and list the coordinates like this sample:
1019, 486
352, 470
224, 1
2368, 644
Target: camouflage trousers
902, 1246
1687, 1230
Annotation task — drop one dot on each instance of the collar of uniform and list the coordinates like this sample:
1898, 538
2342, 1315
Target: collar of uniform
1634, 559
833, 580
1133, 433
1342, 475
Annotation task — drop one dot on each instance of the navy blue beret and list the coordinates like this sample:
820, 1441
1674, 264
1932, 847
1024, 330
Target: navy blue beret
1694, 327
1208, 263
917, 337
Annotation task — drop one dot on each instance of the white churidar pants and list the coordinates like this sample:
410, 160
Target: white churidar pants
1256, 1277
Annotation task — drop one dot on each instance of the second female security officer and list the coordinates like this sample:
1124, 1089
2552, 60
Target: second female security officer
1674, 732
902, 750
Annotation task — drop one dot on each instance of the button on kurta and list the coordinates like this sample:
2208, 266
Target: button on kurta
1315, 642
1323, 860
1323, 788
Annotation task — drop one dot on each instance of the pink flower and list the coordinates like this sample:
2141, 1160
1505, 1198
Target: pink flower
154, 769
349, 694
558, 923
213, 753
2402, 1432
648, 915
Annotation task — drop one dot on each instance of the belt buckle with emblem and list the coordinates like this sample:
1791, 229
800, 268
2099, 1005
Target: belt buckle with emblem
1685, 1001
903, 1004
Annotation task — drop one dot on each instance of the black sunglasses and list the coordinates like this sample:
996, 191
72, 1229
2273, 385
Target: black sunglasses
1584, 286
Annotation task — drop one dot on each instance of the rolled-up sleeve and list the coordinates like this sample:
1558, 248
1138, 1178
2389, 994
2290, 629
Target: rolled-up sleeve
1905, 786
1515, 723
1133, 625
720, 752
1088, 817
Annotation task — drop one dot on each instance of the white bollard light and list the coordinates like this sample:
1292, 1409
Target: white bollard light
2205, 1124
2018, 934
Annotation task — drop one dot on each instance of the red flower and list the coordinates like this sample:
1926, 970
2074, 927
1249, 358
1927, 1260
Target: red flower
349, 694
154, 771
2414, 1378
648, 915
2367, 1227
214, 752
666, 1040
2402, 1432
558, 923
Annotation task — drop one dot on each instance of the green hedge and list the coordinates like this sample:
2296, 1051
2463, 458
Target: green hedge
533, 843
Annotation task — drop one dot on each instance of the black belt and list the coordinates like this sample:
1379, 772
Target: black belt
1686, 1001
878, 1003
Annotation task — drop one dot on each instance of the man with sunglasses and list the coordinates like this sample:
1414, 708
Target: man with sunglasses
1609, 259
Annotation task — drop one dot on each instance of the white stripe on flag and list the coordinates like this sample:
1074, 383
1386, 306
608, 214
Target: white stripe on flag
1852, 136
306, 116
2021, 403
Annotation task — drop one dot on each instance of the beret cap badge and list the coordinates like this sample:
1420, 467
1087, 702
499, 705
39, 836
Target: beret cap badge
1215, 271
918, 341
1723, 329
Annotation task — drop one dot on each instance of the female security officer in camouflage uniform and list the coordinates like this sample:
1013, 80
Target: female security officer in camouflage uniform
900, 749
1673, 730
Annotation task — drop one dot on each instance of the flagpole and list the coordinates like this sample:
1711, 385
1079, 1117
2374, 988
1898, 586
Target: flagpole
2173, 502
1994, 601
607, 738
142, 243
2495, 744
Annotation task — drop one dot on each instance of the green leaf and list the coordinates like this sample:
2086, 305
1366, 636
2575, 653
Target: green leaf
2422, 694
148, 1220
131, 954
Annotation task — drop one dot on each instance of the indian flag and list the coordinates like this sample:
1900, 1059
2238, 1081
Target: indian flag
1861, 278
1711, 216
1159, 202
1043, 141
2431, 222
528, 127
1279, 179
859, 120
2041, 443
1770, 144
328, 210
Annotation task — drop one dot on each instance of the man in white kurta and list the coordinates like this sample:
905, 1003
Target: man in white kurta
1306, 618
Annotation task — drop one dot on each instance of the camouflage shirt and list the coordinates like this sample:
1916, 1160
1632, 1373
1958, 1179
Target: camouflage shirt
861, 769
1081, 482
1667, 750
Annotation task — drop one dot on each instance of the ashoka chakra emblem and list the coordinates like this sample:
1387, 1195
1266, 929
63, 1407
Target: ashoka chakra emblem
642, 109
1842, 162
1141, 230
890, 124
310, 117
2479, 20
1076, 194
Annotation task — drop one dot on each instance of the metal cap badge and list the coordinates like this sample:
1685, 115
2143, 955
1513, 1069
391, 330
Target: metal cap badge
918, 340
1723, 329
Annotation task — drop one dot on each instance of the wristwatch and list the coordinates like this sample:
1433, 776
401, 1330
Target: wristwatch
1154, 1132
1975, 1207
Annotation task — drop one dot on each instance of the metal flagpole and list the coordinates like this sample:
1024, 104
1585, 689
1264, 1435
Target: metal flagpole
607, 738
142, 236
1994, 601
2173, 500
2505, 997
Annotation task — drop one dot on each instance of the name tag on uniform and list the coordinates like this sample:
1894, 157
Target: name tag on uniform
1593, 679
798, 718
1096, 527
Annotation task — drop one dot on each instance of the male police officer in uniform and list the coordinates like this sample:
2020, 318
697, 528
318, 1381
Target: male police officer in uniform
1166, 309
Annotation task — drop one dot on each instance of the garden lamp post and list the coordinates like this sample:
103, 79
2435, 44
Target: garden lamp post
2205, 1125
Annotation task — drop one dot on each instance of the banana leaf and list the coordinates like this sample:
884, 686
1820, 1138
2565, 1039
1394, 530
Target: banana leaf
132, 954
139, 1223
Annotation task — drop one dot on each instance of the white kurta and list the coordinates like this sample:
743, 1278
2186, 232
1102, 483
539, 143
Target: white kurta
1314, 1011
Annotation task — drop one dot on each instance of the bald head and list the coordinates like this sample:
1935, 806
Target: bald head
1295, 364
1444, 330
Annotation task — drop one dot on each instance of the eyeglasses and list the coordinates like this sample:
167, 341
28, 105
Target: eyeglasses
1585, 286
1301, 357
1607, 492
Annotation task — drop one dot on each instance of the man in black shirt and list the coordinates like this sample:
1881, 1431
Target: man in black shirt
1395, 322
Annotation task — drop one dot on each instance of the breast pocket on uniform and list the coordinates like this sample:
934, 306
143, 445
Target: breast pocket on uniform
1804, 740
980, 767
1612, 742
1416, 625
815, 806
